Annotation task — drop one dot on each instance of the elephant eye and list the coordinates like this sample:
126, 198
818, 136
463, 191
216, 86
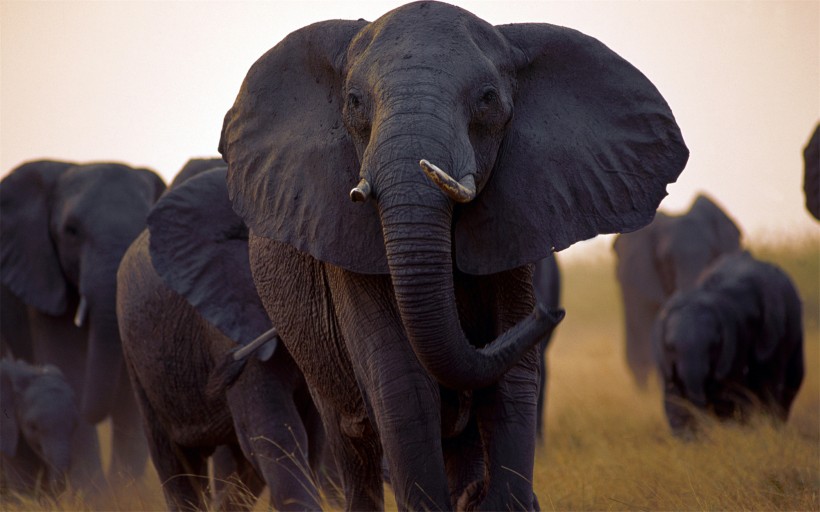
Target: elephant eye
71, 229
489, 96
354, 100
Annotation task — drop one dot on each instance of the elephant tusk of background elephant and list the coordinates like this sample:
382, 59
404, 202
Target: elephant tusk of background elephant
460, 192
82, 312
360, 192
248, 349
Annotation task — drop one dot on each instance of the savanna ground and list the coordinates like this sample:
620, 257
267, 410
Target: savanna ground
608, 446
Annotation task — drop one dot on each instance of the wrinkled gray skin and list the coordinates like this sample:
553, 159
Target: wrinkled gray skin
660, 259
811, 173
732, 343
546, 283
175, 342
40, 416
412, 317
65, 228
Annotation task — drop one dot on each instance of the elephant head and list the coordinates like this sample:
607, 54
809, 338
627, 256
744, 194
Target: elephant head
483, 148
40, 410
669, 254
65, 228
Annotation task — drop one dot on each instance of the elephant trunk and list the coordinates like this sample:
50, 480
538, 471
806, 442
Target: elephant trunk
416, 220
57, 456
103, 362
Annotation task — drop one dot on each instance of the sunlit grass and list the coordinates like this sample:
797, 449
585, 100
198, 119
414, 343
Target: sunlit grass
608, 445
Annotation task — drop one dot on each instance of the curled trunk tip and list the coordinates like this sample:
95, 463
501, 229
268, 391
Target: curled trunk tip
459, 191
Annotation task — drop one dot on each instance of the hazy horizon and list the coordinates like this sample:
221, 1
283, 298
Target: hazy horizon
148, 83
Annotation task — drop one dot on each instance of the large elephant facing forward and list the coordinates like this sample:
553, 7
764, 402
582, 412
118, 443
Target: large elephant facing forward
660, 259
412, 315
65, 228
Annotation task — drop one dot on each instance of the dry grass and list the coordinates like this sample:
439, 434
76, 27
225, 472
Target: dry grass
608, 446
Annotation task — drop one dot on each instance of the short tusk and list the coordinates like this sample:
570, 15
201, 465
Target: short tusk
82, 312
360, 192
460, 192
255, 344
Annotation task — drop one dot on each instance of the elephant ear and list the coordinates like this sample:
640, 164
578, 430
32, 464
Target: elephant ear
590, 149
9, 429
710, 214
29, 263
291, 163
811, 173
638, 268
199, 247
154, 181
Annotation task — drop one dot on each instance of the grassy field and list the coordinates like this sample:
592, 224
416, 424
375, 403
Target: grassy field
608, 447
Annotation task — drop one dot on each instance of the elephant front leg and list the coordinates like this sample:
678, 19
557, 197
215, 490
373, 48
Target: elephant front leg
403, 398
506, 418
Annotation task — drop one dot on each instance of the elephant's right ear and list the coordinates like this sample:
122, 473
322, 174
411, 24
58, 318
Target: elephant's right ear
727, 232
637, 267
199, 247
29, 264
590, 149
9, 429
291, 162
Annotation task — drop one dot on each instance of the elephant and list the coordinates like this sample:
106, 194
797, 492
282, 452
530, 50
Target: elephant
185, 300
546, 284
733, 342
811, 173
410, 309
660, 259
40, 416
65, 227
195, 166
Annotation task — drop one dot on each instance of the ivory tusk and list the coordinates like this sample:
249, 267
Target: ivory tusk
255, 344
82, 312
360, 192
460, 192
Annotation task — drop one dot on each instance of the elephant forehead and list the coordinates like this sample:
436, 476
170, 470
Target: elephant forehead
428, 32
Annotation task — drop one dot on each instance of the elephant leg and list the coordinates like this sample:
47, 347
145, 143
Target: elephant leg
357, 453
640, 314
506, 418
403, 397
183, 472
272, 435
129, 447
237, 485
464, 460
542, 392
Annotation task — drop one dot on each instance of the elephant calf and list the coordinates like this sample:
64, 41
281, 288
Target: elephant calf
38, 426
178, 324
732, 342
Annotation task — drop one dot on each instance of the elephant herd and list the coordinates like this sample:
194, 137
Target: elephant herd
362, 288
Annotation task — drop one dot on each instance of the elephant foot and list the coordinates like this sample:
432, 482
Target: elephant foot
474, 498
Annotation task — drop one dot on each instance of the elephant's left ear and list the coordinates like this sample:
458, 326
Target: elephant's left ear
199, 247
591, 148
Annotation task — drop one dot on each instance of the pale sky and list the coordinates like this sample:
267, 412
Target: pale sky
148, 82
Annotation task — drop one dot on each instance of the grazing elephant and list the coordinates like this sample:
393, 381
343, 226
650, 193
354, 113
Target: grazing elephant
811, 173
660, 259
185, 298
546, 283
412, 314
40, 416
64, 228
733, 341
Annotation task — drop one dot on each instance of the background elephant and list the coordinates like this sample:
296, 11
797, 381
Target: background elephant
64, 228
185, 298
412, 315
40, 416
733, 341
660, 259
811, 173
546, 284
